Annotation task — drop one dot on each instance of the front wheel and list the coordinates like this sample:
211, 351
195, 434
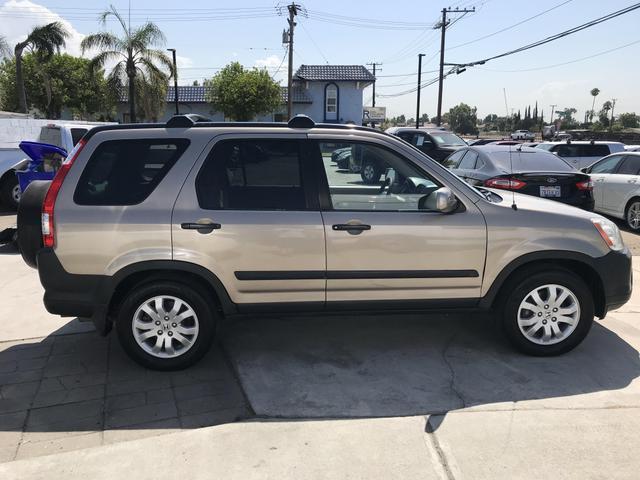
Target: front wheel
632, 215
165, 325
548, 313
370, 173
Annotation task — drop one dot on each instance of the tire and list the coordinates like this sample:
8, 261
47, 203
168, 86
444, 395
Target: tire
30, 222
199, 318
577, 306
632, 215
10, 192
370, 173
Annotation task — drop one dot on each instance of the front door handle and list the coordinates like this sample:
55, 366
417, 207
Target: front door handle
633, 180
201, 227
352, 228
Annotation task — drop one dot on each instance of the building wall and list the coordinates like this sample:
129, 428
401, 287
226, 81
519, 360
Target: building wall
349, 102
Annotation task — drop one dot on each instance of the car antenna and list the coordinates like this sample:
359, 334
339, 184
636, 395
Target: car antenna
513, 194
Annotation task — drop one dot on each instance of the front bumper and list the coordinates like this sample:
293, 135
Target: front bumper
616, 274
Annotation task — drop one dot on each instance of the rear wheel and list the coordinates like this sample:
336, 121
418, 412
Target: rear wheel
370, 173
166, 325
10, 192
632, 215
548, 312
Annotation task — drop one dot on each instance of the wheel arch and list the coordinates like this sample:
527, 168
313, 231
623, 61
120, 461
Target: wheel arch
115, 290
577, 263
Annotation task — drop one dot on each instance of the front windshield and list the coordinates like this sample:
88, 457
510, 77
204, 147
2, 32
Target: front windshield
446, 138
545, 146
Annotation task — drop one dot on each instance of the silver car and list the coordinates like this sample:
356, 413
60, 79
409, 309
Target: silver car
162, 230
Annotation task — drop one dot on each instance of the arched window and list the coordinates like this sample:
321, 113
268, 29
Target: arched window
331, 103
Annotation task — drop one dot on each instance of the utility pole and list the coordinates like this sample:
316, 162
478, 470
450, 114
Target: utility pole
443, 26
420, 55
553, 109
175, 79
293, 11
374, 65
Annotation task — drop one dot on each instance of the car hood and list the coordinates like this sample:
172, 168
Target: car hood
537, 204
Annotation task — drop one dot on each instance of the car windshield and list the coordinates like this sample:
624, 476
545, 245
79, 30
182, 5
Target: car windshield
545, 146
446, 138
528, 161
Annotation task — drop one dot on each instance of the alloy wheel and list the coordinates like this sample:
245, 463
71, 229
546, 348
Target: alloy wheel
369, 172
165, 326
548, 314
633, 216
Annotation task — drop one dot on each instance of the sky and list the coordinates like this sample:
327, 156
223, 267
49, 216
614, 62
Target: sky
209, 34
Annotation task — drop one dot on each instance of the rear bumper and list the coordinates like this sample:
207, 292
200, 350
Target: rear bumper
72, 295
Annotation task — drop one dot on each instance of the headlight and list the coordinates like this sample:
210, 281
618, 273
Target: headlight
609, 232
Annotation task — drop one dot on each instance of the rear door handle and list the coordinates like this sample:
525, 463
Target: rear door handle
633, 180
201, 227
350, 227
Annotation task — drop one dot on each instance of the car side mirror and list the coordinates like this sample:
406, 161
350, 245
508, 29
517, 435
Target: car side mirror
390, 176
427, 145
585, 170
442, 200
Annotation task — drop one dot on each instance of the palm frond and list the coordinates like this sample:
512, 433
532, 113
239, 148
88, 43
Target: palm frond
112, 12
158, 57
101, 59
102, 41
47, 39
148, 35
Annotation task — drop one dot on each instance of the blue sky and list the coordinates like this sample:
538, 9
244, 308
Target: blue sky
205, 44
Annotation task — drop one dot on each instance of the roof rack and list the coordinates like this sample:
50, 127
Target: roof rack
186, 121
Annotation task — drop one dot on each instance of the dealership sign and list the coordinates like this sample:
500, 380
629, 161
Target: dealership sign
374, 114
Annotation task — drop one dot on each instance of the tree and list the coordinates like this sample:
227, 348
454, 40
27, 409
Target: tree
4, 47
594, 93
242, 94
134, 55
463, 119
629, 120
424, 119
69, 84
43, 41
151, 95
566, 115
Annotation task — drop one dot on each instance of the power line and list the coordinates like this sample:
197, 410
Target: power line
552, 38
314, 42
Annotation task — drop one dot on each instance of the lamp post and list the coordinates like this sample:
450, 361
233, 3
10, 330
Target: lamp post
175, 79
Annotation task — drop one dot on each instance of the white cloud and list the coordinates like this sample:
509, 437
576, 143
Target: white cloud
20, 16
183, 62
270, 62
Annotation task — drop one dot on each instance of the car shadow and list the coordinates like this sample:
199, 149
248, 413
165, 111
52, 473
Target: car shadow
295, 368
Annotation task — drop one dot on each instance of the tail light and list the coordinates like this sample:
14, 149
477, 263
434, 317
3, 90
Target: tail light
48, 237
586, 185
504, 183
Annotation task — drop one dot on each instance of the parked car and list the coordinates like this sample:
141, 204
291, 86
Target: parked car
161, 230
632, 148
616, 187
438, 143
523, 135
581, 154
525, 170
63, 136
505, 142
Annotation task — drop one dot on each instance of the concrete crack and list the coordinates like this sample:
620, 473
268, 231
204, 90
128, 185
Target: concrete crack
432, 438
452, 383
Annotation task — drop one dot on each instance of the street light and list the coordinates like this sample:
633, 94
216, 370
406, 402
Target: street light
175, 79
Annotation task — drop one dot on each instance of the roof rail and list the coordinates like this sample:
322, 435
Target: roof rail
186, 121
301, 121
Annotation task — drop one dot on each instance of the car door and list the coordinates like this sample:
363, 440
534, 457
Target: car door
619, 186
382, 247
600, 173
248, 212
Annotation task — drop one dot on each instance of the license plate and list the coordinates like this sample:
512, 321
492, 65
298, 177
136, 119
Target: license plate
550, 191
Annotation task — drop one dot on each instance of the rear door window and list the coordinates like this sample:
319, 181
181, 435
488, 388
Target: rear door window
607, 165
469, 161
252, 175
454, 159
125, 172
630, 165
595, 150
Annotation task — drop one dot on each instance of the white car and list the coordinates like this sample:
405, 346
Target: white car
523, 135
616, 187
632, 148
582, 153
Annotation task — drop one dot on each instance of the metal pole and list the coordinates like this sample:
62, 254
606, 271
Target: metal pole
420, 55
443, 26
374, 85
293, 10
175, 79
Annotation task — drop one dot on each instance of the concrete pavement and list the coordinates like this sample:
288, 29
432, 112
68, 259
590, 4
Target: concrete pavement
456, 401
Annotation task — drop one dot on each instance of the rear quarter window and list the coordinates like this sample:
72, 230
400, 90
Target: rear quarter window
125, 172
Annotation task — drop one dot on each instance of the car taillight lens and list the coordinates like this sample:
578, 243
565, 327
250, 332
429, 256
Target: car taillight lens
586, 185
504, 183
48, 236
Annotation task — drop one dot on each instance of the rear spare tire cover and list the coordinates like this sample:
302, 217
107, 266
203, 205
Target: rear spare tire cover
29, 221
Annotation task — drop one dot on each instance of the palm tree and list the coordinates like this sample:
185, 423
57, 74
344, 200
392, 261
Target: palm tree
594, 93
133, 53
43, 41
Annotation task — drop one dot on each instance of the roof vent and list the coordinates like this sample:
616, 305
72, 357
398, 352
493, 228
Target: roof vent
301, 121
186, 121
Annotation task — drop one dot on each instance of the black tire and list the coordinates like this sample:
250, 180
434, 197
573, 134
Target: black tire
525, 283
196, 299
8, 191
635, 202
370, 173
30, 222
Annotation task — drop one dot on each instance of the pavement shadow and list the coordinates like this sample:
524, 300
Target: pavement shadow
411, 365
55, 390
